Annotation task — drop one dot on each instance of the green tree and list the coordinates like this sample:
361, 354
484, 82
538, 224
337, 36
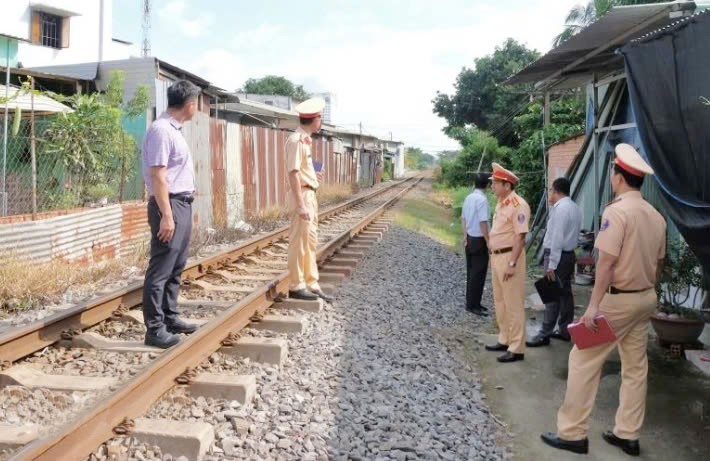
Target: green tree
275, 85
526, 160
480, 99
581, 16
416, 159
90, 142
459, 170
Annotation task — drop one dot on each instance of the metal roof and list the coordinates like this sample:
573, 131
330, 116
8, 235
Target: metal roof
13, 37
42, 104
83, 71
89, 70
593, 49
259, 109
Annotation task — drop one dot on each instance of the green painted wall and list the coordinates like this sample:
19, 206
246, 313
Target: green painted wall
8, 49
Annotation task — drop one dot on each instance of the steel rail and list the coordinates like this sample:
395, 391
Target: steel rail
78, 439
34, 336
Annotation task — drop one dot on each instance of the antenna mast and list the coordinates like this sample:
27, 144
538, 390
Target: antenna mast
146, 28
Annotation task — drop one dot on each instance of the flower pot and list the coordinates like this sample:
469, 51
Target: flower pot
677, 331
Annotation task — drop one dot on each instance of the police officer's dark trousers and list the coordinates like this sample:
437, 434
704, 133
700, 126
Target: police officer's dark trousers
562, 311
167, 260
476, 269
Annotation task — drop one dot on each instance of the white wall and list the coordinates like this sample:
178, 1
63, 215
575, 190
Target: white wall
399, 162
89, 32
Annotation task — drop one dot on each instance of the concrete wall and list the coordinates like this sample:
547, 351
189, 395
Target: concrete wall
90, 32
399, 162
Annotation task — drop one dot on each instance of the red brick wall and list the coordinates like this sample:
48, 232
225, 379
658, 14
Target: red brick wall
561, 156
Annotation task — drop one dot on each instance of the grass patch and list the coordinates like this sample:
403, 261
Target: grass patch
438, 214
428, 218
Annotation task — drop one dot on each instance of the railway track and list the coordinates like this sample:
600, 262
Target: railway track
227, 292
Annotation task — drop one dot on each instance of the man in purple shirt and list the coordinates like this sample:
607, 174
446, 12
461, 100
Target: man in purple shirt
170, 180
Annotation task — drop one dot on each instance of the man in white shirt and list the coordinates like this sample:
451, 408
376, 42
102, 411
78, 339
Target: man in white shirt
563, 226
474, 220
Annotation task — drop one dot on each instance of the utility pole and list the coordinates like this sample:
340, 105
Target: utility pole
547, 108
145, 52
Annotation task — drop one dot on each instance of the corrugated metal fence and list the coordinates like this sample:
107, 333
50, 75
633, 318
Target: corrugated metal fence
239, 171
88, 235
264, 172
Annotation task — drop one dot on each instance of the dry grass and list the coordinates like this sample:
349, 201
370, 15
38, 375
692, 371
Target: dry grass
333, 193
269, 219
28, 285
442, 198
272, 213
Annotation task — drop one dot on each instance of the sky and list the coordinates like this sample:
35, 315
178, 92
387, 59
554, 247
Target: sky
383, 60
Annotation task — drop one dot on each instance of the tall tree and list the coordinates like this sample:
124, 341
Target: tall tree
416, 159
274, 85
567, 120
581, 16
480, 99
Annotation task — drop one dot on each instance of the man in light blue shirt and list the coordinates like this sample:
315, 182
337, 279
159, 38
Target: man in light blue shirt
474, 220
563, 225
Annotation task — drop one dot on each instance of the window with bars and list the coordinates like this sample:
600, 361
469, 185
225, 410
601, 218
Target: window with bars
50, 30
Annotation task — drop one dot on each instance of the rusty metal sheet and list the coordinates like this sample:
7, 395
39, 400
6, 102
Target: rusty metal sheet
260, 166
281, 166
249, 180
135, 232
85, 236
219, 186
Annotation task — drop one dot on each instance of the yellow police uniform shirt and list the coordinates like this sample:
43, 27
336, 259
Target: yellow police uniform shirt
512, 218
298, 157
635, 232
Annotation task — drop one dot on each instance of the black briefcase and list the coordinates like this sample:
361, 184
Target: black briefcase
550, 291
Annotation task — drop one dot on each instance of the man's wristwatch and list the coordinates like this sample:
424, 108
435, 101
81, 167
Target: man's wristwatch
511, 263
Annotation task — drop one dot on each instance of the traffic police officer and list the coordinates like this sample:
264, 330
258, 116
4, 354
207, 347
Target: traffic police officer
632, 246
302, 204
507, 247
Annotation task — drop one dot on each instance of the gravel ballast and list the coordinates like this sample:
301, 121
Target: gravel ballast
375, 376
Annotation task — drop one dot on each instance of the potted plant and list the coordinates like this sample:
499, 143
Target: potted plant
678, 284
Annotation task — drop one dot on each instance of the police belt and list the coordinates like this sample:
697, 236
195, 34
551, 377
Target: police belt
502, 250
616, 291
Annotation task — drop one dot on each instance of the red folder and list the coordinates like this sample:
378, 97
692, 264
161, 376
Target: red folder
584, 338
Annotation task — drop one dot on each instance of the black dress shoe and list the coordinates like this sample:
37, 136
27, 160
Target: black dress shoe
302, 294
538, 341
180, 326
161, 338
560, 336
497, 347
630, 447
510, 357
323, 296
575, 446
477, 311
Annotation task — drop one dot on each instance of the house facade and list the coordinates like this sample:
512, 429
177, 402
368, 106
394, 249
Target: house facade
55, 32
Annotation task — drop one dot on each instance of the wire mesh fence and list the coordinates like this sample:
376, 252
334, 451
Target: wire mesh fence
57, 182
